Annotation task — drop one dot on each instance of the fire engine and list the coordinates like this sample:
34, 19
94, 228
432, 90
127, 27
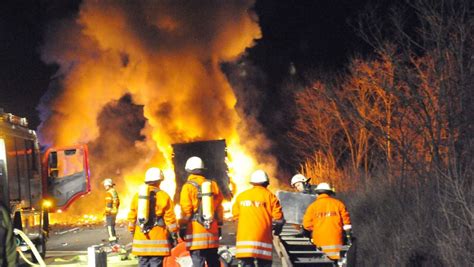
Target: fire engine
33, 184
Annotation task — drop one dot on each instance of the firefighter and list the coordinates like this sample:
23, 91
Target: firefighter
8, 255
152, 221
328, 219
202, 215
301, 184
258, 212
112, 203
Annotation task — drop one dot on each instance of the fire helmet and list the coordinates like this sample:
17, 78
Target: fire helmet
323, 187
153, 175
298, 178
194, 164
108, 182
259, 177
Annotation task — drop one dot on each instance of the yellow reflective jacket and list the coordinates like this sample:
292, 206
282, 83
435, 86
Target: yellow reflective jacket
256, 209
155, 242
326, 217
198, 237
112, 202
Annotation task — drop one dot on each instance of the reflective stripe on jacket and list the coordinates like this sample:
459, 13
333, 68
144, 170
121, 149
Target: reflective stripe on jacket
256, 209
198, 237
155, 242
326, 217
112, 202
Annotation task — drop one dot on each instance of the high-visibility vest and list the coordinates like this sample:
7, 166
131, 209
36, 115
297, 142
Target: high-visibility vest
112, 202
326, 217
197, 236
155, 242
256, 209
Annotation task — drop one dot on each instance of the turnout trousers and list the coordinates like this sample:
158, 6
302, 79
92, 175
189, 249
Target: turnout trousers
200, 256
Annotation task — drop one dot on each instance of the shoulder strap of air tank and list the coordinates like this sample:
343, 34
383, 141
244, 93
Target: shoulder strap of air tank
196, 185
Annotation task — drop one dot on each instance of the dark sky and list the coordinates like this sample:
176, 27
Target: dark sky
309, 34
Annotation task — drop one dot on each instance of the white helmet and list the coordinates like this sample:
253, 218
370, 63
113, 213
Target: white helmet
323, 187
193, 164
259, 177
153, 175
108, 182
298, 178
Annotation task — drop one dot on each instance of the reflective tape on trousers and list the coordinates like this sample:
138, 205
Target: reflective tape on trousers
201, 243
151, 249
332, 254
331, 247
149, 242
201, 235
254, 243
254, 251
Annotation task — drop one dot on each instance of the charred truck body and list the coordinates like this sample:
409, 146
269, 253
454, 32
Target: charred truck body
31, 186
213, 153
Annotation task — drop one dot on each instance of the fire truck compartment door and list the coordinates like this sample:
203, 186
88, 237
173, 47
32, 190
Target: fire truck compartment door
68, 175
294, 205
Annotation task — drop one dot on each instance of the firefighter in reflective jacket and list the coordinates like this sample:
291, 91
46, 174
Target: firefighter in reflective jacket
112, 203
202, 215
328, 218
152, 221
258, 211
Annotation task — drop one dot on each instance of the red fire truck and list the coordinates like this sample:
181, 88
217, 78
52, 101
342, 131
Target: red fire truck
32, 183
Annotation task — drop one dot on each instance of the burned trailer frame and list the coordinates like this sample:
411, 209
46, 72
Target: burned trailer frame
213, 153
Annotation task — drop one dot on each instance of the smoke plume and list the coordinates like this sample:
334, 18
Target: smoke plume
166, 57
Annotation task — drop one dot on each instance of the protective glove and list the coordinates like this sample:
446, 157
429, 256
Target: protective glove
174, 239
306, 233
349, 237
182, 232
277, 227
220, 232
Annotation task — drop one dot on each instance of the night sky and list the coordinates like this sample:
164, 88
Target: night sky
301, 35
307, 34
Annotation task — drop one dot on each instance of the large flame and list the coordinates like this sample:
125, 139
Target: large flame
166, 55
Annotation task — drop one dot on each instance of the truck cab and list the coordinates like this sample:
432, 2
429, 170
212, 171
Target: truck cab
33, 184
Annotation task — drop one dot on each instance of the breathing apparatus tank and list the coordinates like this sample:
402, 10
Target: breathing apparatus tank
206, 204
143, 207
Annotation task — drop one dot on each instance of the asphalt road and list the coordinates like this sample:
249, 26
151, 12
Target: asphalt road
67, 245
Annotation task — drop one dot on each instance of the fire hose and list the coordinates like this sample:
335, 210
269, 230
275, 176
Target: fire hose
30, 244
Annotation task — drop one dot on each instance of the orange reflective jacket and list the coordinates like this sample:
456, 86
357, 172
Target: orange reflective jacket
198, 237
256, 209
326, 217
112, 202
155, 242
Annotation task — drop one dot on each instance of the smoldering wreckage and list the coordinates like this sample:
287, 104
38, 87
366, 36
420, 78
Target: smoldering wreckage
36, 184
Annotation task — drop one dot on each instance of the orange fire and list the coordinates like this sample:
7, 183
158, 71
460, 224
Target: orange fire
167, 56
